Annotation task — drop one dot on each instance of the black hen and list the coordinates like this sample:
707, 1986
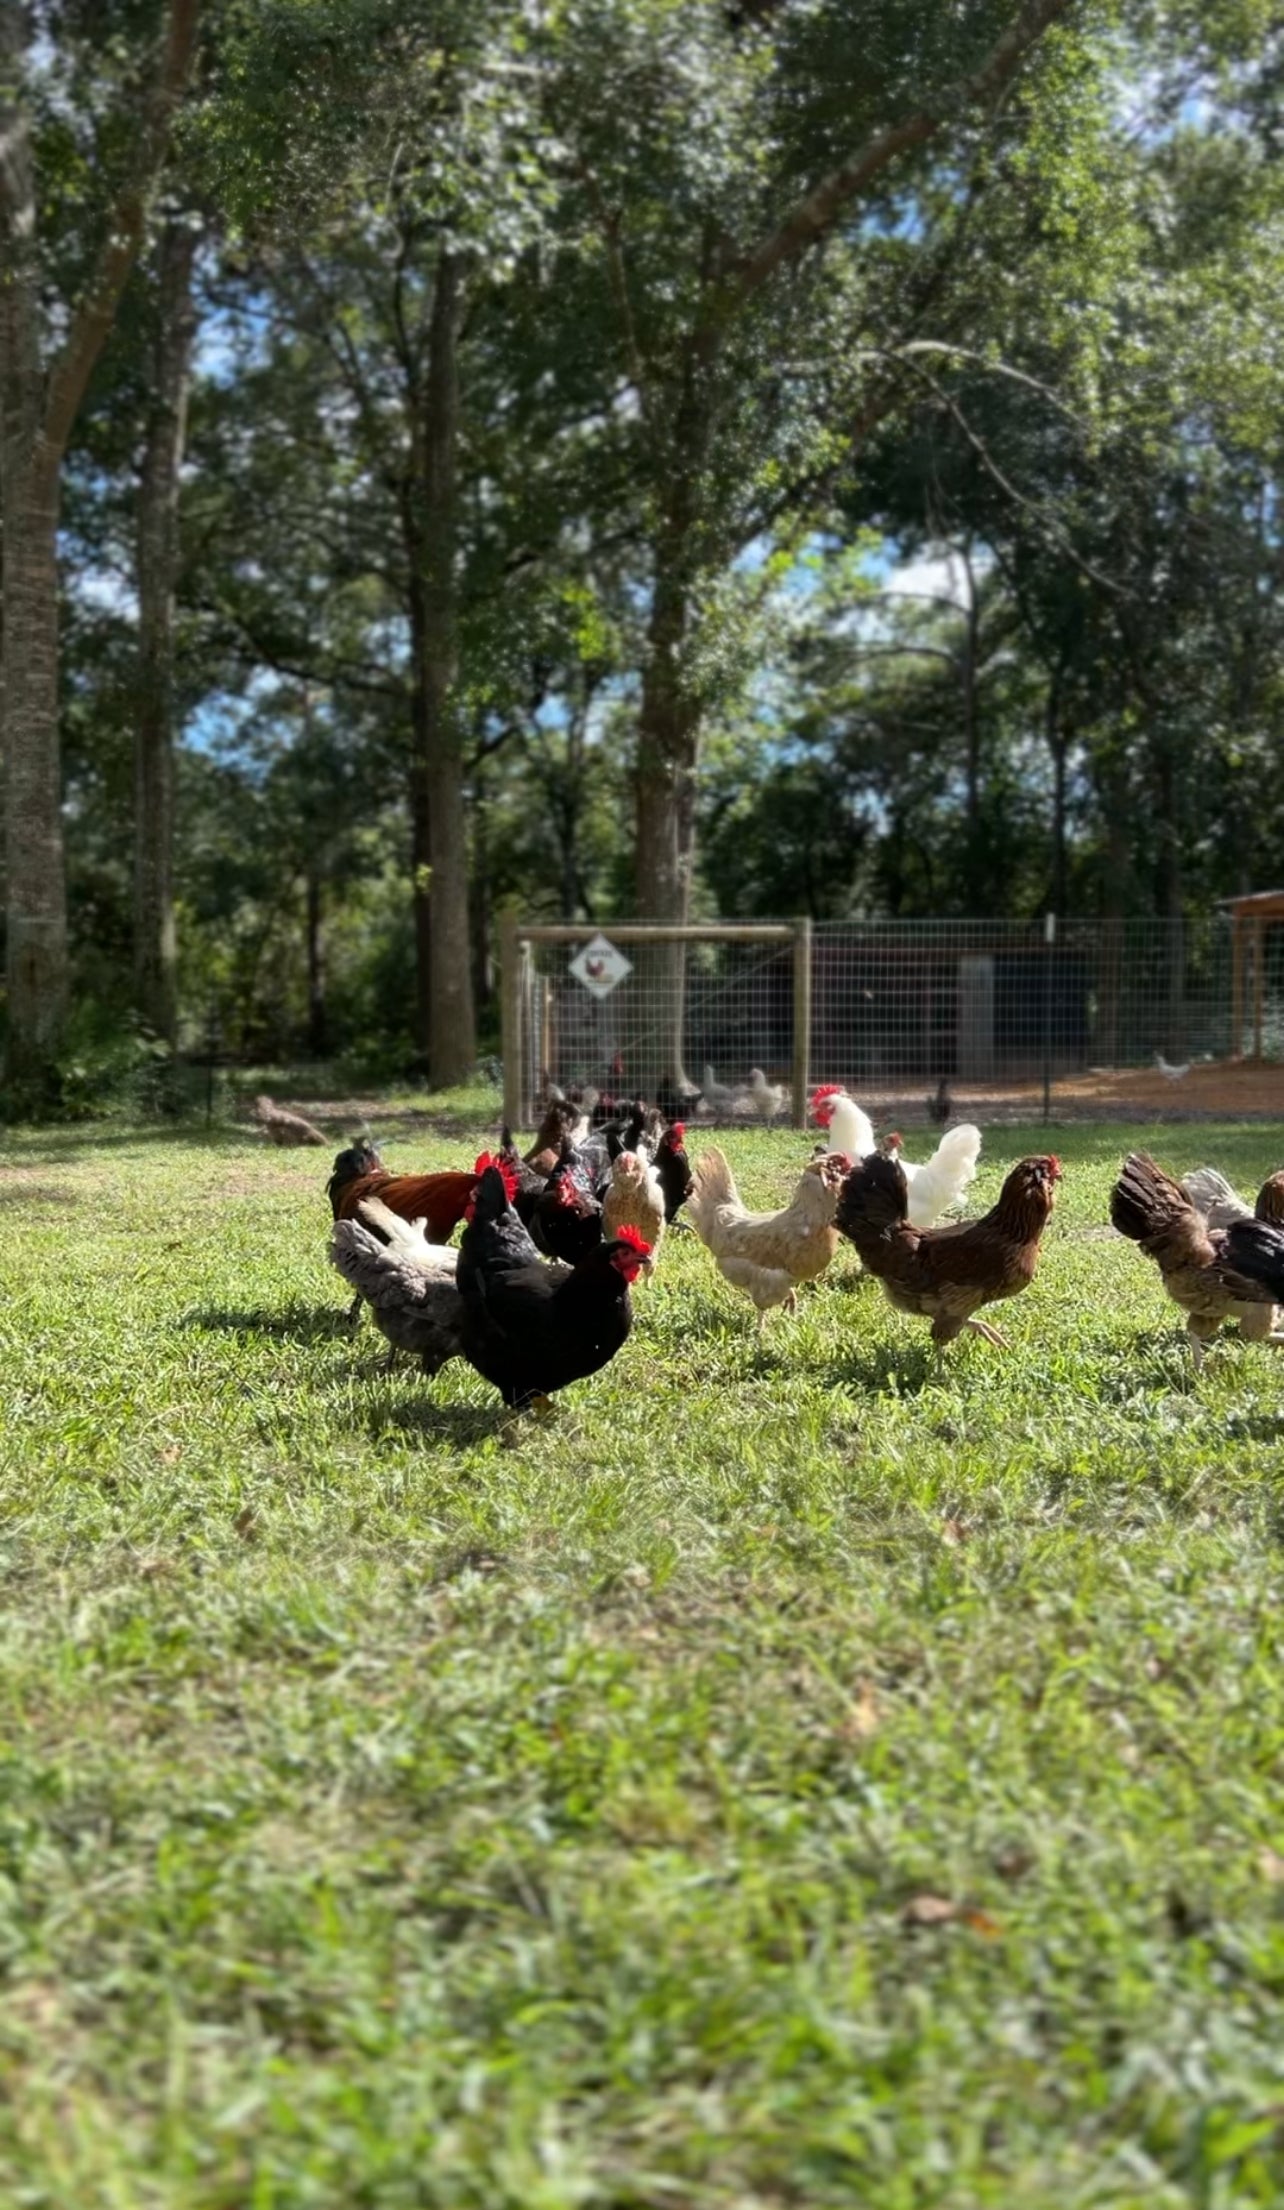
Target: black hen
674, 1168
530, 1328
940, 1107
566, 1218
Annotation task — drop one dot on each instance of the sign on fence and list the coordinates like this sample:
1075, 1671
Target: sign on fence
600, 966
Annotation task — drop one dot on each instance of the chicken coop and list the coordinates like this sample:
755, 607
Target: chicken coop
999, 1009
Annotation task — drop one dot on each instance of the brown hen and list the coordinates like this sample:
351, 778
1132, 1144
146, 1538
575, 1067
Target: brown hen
946, 1275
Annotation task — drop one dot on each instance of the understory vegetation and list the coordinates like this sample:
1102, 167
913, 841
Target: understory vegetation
783, 1778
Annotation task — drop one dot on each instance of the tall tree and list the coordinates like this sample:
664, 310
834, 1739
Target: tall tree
41, 396
719, 150
155, 951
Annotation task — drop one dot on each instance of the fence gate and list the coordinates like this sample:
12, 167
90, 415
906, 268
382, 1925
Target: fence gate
704, 998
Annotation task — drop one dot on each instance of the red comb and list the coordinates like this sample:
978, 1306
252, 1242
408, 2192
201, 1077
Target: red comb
896, 1136
677, 1131
635, 1240
505, 1169
828, 1089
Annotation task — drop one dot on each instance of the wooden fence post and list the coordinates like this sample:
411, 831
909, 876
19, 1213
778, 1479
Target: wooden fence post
510, 1016
802, 1020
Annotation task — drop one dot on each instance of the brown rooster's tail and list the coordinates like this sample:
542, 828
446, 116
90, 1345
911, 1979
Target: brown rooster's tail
1145, 1201
873, 1199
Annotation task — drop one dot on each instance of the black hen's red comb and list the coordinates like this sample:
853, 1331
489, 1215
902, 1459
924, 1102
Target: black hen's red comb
635, 1240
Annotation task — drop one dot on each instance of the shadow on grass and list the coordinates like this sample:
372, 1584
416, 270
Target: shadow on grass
56, 1146
34, 1194
293, 1323
429, 1421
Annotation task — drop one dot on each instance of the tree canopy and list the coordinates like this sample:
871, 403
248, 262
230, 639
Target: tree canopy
621, 456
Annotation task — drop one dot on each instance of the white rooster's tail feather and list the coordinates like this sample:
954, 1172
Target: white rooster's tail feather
1211, 1194
713, 1184
407, 1237
941, 1182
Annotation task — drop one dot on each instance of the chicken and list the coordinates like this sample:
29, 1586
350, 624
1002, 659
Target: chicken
1170, 1072
408, 1282
439, 1200
1213, 1197
766, 1099
561, 1118
281, 1127
846, 1124
940, 1106
938, 1183
673, 1168
635, 1199
356, 1164
716, 1100
1213, 1274
530, 1328
528, 1183
946, 1275
767, 1254
566, 1219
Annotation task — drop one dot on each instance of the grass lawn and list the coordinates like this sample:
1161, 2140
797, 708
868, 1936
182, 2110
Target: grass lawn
783, 1780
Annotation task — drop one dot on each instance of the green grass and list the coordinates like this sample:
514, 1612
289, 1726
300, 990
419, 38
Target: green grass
390, 1818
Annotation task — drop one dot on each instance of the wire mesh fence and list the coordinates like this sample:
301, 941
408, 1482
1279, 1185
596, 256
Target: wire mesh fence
1100, 1016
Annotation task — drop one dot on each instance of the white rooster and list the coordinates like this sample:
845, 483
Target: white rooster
846, 1124
936, 1185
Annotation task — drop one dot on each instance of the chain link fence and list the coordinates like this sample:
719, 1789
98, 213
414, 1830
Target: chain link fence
1103, 1018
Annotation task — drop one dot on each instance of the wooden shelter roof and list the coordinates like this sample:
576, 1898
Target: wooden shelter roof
1257, 905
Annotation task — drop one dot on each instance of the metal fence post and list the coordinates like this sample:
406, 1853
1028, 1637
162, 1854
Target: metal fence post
510, 1016
802, 1019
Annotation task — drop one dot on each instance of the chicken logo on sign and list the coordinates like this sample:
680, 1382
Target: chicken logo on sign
600, 967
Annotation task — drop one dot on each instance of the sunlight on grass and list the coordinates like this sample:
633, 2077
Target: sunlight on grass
393, 1818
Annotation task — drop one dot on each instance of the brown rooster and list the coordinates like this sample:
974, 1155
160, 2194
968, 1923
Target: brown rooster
437, 1202
946, 1275
1214, 1274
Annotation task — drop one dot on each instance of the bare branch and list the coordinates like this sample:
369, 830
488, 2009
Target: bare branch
818, 210
1018, 498
97, 311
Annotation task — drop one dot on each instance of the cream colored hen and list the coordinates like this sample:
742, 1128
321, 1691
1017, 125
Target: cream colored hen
635, 1199
767, 1254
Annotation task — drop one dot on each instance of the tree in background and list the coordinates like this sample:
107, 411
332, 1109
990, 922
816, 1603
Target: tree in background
63, 119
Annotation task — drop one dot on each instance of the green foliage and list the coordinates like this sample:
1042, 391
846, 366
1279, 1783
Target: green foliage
1050, 336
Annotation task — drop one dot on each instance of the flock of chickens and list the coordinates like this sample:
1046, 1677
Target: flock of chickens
537, 1294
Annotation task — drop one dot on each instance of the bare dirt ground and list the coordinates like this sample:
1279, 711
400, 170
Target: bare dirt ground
1218, 1090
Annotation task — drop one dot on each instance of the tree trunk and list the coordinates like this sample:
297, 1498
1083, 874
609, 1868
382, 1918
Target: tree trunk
155, 949
37, 966
452, 1035
318, 1025
420, 838
39, 403
1057, 741
668, 758
977, 891
1172, 887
